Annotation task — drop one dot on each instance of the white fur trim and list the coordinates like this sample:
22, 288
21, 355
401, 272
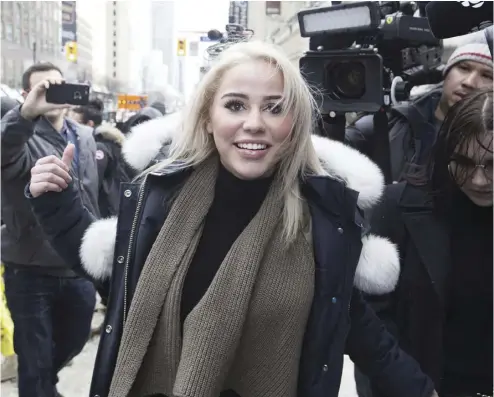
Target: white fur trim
378, 268
358, 171
97, 248
145, 140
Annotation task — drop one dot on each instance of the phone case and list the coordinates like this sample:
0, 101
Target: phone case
72, 94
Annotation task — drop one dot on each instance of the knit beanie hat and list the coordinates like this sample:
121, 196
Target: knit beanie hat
477, 52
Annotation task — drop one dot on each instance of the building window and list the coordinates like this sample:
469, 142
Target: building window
114, 54
114, 33
114, 12
114, 64
114, 24
114, 75
114, 43
9, 32
273, 7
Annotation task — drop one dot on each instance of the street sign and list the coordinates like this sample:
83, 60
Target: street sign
132, 102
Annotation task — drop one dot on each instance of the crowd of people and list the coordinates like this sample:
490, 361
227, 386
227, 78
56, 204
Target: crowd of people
238, 253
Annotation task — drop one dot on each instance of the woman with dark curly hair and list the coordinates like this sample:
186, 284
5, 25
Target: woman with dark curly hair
441, 219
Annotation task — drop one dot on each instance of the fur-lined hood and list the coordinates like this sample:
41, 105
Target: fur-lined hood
378, 268
111, 133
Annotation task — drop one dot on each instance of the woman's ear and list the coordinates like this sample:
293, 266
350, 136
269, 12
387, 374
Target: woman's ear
209, 127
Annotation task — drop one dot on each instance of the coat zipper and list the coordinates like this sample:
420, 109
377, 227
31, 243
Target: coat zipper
131, 243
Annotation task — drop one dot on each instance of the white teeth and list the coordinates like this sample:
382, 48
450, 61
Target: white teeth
252, 146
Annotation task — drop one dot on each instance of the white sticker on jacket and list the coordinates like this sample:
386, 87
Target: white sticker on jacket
100, 155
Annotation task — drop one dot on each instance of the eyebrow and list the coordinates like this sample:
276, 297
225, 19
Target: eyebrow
243, 96
485, 159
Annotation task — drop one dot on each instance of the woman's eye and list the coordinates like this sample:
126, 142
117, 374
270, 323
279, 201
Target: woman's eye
234, 106
274, 108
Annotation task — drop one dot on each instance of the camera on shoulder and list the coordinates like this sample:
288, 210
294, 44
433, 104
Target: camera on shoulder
366, 55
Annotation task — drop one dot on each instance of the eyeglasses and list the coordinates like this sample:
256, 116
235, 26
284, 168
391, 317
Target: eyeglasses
467, 167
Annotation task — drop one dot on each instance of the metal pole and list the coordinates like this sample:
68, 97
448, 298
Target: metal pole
34, 52
181, 87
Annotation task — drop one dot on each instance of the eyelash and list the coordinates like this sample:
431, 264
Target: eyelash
272, 107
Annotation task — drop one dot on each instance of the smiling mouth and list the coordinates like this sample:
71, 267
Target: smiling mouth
251, 146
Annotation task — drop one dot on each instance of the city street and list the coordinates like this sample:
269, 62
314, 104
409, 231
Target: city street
74, 380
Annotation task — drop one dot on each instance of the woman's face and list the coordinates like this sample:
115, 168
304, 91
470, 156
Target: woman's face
475, 167
246, 119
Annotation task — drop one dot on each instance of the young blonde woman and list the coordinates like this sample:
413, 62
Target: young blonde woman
232, 267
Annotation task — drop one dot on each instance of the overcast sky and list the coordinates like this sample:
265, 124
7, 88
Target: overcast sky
197, 15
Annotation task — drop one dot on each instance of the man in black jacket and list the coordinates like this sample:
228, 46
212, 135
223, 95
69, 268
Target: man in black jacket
413, 127
51, 307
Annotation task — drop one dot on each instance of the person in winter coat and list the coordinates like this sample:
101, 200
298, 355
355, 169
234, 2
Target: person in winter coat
234, 267
413, 127
112, 169
442, 309
51, 306
7, 104
143, 115
148, 143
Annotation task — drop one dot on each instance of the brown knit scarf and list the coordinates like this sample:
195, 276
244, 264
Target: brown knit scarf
245, 334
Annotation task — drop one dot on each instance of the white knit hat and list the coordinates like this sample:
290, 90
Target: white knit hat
477, 52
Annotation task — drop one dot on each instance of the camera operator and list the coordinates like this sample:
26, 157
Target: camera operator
413, 127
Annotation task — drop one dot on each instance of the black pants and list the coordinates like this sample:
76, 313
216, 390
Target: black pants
52, 323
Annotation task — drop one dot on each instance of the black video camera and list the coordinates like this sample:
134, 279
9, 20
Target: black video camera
367, 55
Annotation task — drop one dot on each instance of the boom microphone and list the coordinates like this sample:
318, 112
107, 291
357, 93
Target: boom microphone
457, 18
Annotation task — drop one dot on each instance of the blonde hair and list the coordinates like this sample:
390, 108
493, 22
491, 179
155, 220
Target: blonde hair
193, 144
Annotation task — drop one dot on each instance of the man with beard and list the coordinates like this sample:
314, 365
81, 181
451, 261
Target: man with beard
51, 306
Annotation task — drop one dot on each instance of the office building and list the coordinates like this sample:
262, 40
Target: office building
30, 32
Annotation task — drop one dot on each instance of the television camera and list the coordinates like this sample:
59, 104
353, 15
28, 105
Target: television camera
364, 57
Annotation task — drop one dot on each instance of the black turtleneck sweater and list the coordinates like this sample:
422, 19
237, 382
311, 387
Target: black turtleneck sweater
468, 345
235, 203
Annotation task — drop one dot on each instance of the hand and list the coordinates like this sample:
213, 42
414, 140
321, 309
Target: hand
35, 103
51, 174
434, 394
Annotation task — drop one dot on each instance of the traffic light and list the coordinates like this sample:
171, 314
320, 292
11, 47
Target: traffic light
182, 47
71, 51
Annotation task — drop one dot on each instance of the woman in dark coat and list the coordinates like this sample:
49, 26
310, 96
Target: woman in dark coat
234, 267
442, 310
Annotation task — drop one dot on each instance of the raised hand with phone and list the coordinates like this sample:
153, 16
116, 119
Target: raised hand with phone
53, 94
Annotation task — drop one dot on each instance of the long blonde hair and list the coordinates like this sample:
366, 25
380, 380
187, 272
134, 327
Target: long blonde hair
193, 144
